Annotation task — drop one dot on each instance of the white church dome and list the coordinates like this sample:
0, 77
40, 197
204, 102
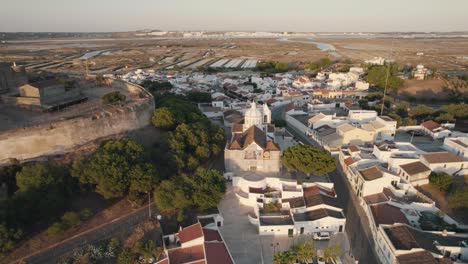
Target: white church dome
253, 112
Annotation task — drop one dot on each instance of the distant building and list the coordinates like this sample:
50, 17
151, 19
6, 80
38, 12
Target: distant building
48, 94
375, 61
420, 73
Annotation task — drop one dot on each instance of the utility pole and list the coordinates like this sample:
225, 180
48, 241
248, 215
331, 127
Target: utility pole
386, 80
149, 205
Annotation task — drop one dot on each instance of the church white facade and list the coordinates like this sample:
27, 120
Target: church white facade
252, 146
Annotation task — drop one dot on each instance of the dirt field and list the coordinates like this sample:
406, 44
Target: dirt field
442, 54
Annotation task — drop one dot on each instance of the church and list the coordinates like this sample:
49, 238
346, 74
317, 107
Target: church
252, 146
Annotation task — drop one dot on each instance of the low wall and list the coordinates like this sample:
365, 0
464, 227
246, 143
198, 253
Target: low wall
62, 136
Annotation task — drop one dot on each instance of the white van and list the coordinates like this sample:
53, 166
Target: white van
322, 236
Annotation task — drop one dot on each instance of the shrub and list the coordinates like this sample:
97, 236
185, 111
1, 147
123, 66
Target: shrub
441, 180
71, 219
55, 229
459, 199
86, 213
8, 238
113, 97
127, 257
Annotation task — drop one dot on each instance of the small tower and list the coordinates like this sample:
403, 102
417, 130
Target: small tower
253, 117
266, 114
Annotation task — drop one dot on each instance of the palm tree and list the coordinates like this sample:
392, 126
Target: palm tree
305, 251
286, 257
330, 253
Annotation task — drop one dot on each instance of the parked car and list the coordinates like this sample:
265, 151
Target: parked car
322, 236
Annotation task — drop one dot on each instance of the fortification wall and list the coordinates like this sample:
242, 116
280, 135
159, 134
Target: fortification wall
62, 136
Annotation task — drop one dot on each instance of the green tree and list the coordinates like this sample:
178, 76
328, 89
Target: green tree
441, 180
199, 97
113, 97
421, 112
378, 75
325, 63
163, 118
305, 251
208, 188
456, 110
143, 178
71, 219
331, 253
173, 197
8, 177
127, 257
38, 176
146, 249
308, 159
402, 109
55, 229
445, 117
8, 238
286, 257
459, 199
111, 167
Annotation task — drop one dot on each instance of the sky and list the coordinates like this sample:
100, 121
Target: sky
232, 15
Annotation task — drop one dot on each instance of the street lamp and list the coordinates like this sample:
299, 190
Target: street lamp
274, 246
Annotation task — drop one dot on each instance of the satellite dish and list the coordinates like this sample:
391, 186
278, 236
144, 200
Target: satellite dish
159, 217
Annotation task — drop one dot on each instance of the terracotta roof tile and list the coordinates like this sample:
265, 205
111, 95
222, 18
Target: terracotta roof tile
211, 235
414, 168
385, 214
353, 148
216, 252
190, 233
441, 157
272, 146
295, 202
430, 124
348, 161
419, 257
236, 128
401, 237
371, 173
188, 254
376, 198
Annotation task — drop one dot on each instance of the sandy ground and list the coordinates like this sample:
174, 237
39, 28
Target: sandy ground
443, 54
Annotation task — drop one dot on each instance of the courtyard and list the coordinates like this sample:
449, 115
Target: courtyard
247, 247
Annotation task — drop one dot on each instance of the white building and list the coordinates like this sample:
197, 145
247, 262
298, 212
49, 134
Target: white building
252, 146
284, 207
457, 146
445, 162
195, 244
420, 73
375, 61
401, 243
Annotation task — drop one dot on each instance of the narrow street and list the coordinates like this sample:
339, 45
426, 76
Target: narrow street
357, 225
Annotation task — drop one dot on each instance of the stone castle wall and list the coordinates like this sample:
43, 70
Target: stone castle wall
62, 136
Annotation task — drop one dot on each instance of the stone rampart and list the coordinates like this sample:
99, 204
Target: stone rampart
62, 136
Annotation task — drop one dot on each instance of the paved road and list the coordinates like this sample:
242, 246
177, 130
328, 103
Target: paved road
357, 225
99, 233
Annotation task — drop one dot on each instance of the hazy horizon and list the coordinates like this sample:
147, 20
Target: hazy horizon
88, 16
